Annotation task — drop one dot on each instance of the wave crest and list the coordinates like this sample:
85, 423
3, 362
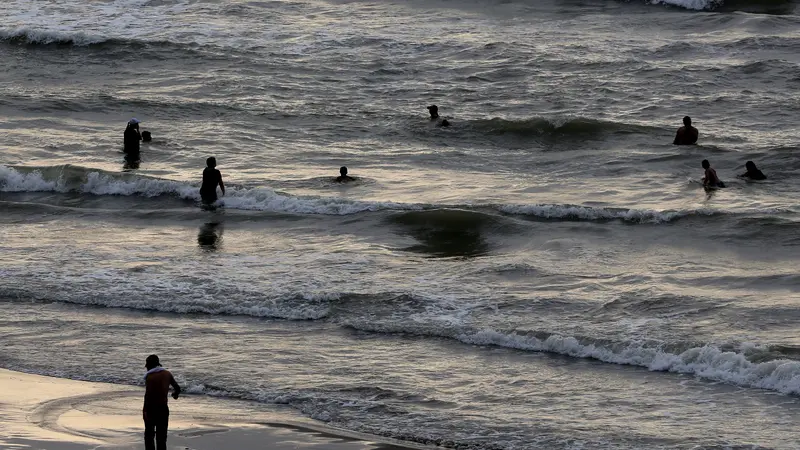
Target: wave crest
77, 179
28, 36
708, 361
560, 127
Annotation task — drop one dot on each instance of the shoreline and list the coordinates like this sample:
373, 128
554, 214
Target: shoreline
48, 413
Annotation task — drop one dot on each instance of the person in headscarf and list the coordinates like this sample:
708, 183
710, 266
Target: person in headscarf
132, 137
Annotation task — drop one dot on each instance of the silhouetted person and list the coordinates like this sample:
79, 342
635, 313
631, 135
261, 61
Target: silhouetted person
146, 136
132, 137
752, 172
434, 110
687, 134
711, 179
155, 412
211, 179
343, 177
444, 123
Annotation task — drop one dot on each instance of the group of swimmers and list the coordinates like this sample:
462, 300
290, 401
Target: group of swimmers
686, 135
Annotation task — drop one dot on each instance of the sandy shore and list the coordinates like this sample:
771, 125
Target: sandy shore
38, 412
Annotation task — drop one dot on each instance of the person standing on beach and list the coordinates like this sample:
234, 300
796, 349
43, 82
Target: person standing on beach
131, 137
687, 134
155, 412
211, 179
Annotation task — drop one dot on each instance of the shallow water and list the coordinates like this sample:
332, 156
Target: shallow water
551, 244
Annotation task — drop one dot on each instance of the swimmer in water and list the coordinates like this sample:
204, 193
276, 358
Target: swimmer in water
434, 110
211, 178
711, 179
343, 177
752, 172
687, 134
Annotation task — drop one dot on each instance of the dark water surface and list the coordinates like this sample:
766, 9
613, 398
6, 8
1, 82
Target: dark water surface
548, 272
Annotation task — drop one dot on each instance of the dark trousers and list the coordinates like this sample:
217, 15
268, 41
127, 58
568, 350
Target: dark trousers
156, 426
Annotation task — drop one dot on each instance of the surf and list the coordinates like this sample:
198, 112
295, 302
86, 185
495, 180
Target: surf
76, 179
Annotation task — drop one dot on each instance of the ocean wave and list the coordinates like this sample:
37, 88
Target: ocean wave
286, 305
110, 103
77, 179
573, 212
29, 36
557, 127
759, 6
752, 6
33, 37
708, 361
748, 365
698, 5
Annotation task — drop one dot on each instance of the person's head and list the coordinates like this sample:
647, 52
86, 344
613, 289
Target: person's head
687, 121
750, 166
706, 164
134, 123
152, 362
146, 136
445, 123
343, 171
211, 162
434, 110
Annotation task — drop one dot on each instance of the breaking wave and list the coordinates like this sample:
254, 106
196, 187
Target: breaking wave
747, 365
753, 6
76, 179
29, 36
578, 127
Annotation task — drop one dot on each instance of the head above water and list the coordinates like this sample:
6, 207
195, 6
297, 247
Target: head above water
750, 165
152, 362
211, 162
343, 171
706, 164
434, 110
687, 121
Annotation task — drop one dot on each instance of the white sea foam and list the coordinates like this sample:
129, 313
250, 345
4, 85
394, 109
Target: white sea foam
691, 4
587, 213
86, 23
265, 199
14, 181
34, 36
708, 361
258, 199
103, 184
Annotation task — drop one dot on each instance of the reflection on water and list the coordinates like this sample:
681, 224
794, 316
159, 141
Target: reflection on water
209, 237
131, 162
446, 233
